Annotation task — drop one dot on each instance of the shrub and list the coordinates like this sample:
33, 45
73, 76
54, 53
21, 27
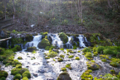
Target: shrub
77, 58
17, 76
17, 48
71, 56
26, 74
19, 57
2, 51
86, 50
3, 74
63, 69
88, 55
24, 78
100, 49
107, 51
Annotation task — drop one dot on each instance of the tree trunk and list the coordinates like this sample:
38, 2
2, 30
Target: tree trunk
13, 9
109, 4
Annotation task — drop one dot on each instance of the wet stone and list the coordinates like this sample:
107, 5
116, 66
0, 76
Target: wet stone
34, 74
41, 71
49, 78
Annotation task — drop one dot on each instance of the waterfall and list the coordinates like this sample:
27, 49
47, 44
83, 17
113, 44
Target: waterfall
81, 41
98, 37
7, 43
36, 40
56, 41
69, 44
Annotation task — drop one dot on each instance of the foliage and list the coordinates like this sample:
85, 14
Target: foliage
3, 74
44, 43
100, 49
44, 34
17, 48
49, 47
26, 74
86, 75
17, 76
88, 55
86, 50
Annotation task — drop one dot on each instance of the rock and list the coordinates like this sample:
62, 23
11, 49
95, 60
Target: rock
36, 63
64, 76
44, 43
56, 50
50, 78
41, 71
63, 37
93, 65
34, 74
30, 49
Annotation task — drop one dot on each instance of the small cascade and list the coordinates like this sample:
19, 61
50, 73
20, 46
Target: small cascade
81, 41
56, 41
7, 43
36, 40
69, 43
98, 37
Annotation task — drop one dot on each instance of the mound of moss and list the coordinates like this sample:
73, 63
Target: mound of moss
44, 43
63, 37
92, 65
3, 74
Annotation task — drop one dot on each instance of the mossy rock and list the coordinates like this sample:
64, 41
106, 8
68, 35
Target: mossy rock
17, 48
16, 41
26, 74
60, 59
31, 49
20, 58
3, 74
44, 43
2, 51
64, 76
63, 37
3, 78
29, 37
44, 34
17, 77
93, 65
24, 78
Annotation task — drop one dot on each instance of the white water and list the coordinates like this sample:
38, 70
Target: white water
81, 41
56, 41
36, 40
69, 44
98, 37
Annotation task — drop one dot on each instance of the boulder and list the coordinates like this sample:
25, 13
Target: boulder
64, 76
63, 37
44, 43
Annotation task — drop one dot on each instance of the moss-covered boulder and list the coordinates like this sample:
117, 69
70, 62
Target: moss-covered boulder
31, 49
17, 48
44, 34
92, 65
64, 76
63, 37
2, 51
44, 43
3, 74
29, 37
17, 77
26, 74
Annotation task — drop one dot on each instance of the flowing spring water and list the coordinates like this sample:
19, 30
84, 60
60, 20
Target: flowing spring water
69, 43
81, 41
56, 41
36, 40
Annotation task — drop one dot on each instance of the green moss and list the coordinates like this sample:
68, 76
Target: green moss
114, 64
24, 78
63, 37
104, 60
86, 75
95, 53
52, 53
47, 57
44, 34
31, 49
71, 56
92, 65
62, 49
2, 51
112, 71
3, 74
62, 56
19, 66
77, 58
70, 51
16, 41
26, 74
49, 47
29, 37
60, 59
3, 78
15, 71
17, 76
44, 43
32, 58
100, 49
17, 48
88, 55
20, 58
86, 50
74, 47
79, 51
68, 66
63, 69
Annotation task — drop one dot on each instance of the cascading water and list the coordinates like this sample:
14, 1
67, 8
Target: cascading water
81, 41
69, 44
56, 41
36, 40
98, 37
